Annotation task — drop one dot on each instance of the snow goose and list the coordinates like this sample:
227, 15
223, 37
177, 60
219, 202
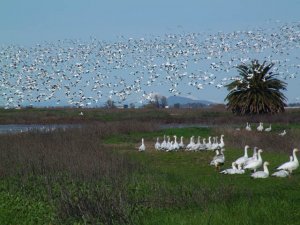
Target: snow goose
282, 133
255, 164
157, 144
208, 144
254, 157
181, 144
191, 144
281, 173
240, 170
169, 144
142, 146
241, 161
260, 127
212, 161
261, 174
268, 129
248, 127
175, 144
215, 144
222, 144
197, 145
231, 170
219, 160
291, 165
163, 145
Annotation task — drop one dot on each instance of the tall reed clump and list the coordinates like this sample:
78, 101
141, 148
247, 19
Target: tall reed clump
73, 170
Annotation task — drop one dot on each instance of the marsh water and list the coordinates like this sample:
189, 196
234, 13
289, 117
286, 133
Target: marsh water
19, 128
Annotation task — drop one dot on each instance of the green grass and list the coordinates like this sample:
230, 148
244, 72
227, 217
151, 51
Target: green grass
16, 208
167, 188
208, 197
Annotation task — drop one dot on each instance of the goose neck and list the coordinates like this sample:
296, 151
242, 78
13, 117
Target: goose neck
266, 170
294, 156
246, 152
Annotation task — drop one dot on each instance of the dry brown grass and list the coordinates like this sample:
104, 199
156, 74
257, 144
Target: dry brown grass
85, 179
271, 142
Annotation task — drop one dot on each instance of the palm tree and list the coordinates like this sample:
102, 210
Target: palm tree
256, 91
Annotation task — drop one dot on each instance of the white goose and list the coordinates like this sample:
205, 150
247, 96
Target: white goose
212, 161
215, 144
209, 144
232, 170
291, 165
261, 174
222, 144
281, 173
248, 127
197, 145
283, 133
142, 147
163, 145
260, 127
191, 144
268, 129
255, 164
254, 157
181, 144
175, 144
219, 160
157, 144
241, 161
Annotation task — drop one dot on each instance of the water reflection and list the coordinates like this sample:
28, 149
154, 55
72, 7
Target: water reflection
19, 128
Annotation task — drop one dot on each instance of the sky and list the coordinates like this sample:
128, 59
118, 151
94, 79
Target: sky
35, 21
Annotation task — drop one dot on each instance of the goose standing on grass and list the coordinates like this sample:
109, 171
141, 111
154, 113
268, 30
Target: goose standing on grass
219, 160
260, 127
216, 155
222, 144
181, 144
282, 173
268, 129
241, 161
291, 165
248, 127
142, 148
208, 144
197, 145
163, 145
157, 144
191, 144
262, 174
282, 133
254, 157
175, 144
255, 164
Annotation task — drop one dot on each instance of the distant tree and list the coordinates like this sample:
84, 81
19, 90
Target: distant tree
163, 101
132, 105
258, 91
110, 104
156, 101
159, 101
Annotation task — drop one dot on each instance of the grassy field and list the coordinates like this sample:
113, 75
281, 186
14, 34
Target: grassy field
94, 175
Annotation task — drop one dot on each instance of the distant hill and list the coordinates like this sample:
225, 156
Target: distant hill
184, 101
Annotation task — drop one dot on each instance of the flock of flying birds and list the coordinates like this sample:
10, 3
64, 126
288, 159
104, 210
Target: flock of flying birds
239, 165
85, 73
